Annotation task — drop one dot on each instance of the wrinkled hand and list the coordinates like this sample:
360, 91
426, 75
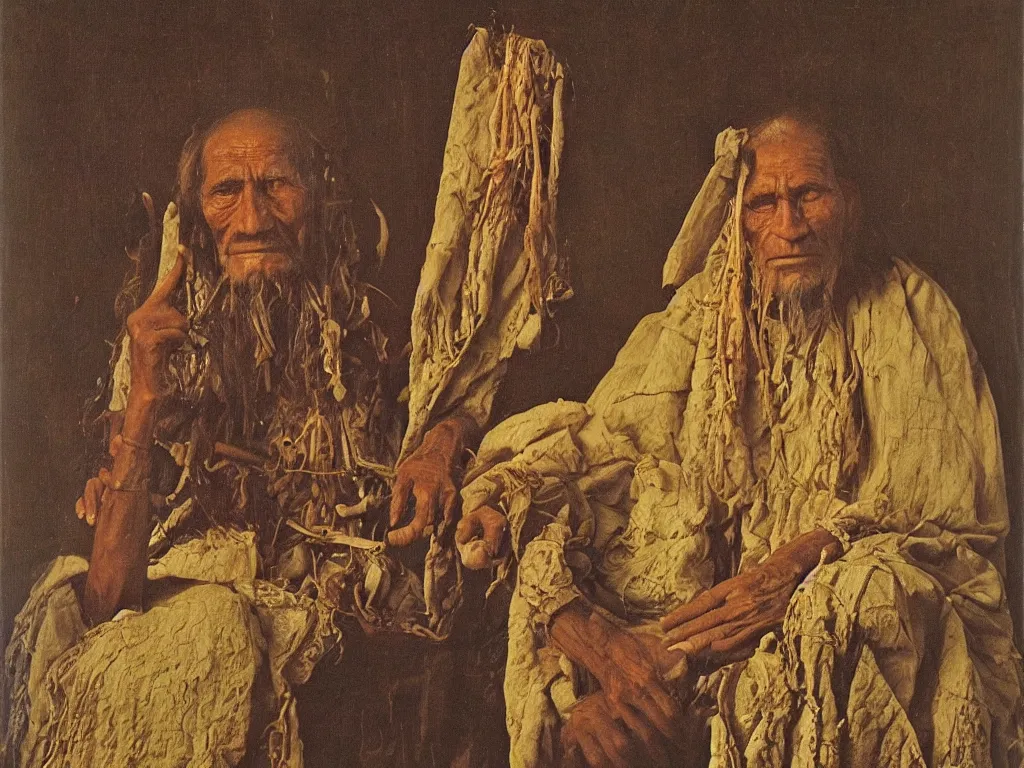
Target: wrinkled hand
631, 679
725, 623
93, 496
633, 720
592, 736
155, 329
596, 736
479, 537
428, 476
638, 697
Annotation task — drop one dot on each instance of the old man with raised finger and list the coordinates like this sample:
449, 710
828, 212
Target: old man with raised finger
260, 589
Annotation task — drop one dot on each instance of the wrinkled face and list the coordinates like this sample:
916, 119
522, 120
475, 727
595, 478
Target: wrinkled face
797, 216
252, 196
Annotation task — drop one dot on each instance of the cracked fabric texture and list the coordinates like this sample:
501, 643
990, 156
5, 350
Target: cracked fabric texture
492, 274
176, 684
883, 430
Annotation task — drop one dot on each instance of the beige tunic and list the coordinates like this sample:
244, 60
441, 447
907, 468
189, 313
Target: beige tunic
181, 683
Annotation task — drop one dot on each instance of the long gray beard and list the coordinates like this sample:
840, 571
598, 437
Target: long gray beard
258, 333
805, 312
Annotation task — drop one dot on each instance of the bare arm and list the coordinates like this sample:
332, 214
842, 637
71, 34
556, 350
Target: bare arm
117, 570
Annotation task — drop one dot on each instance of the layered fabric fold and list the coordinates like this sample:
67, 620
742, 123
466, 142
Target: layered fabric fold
492, 274
196, 679
704, 220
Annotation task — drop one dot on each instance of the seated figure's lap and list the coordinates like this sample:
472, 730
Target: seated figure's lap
870, 646
168, 686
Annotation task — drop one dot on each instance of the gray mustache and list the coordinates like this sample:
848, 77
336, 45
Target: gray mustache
258, 245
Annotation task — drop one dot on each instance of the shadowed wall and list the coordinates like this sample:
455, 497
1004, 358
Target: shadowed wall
99, 97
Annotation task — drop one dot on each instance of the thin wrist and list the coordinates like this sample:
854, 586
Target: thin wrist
131, 470
804, 552
449, 430
598, 629
571, 631
467, 428
141, 398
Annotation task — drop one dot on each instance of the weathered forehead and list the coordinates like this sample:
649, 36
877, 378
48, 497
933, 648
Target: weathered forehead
247, 136
787, 148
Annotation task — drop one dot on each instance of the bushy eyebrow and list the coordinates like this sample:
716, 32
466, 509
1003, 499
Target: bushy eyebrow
761, 197
810, 186
232, 184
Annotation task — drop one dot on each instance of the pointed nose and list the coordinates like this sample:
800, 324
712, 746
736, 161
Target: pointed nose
253, 212
789, 223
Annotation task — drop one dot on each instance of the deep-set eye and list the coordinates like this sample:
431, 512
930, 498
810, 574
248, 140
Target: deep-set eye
811, 195
761, 203
224, 189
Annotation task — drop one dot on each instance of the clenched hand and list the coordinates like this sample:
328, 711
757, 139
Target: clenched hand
479, 537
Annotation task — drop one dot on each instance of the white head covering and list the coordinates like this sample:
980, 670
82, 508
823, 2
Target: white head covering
706, 217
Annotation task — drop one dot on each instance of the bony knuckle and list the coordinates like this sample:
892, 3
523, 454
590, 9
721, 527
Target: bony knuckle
749, 606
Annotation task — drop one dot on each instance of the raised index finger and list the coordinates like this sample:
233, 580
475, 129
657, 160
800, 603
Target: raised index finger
163, 290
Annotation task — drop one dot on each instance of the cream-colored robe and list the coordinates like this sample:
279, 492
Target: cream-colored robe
180, 683
900, 653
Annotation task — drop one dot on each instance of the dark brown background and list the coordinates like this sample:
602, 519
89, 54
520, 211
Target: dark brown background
99, 96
